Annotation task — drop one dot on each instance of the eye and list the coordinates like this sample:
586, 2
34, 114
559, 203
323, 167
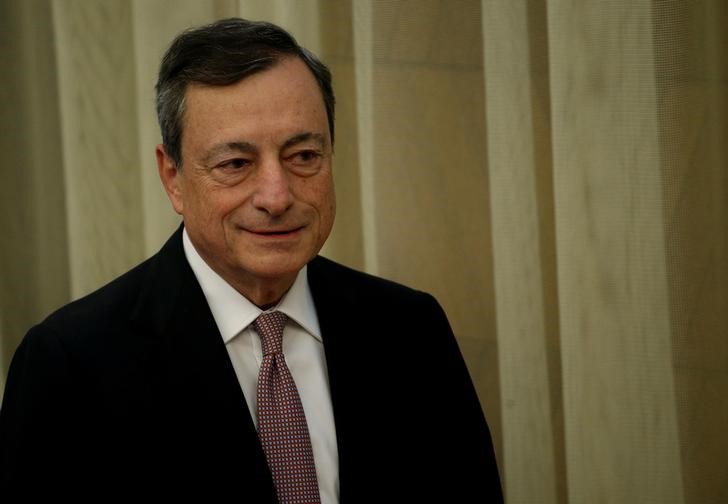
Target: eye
234, 164
231, 171
305, 157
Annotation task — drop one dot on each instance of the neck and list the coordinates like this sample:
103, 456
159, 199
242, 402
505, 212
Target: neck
263, 294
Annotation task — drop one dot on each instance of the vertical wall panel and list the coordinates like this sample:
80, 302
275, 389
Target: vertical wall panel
346, 243
428, 179
96, 88
690, 45
529, 467
363, 37
619, 399
34, 276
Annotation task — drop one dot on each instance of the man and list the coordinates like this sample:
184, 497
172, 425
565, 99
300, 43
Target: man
168, 380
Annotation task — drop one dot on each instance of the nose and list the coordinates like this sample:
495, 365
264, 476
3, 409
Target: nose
273, 192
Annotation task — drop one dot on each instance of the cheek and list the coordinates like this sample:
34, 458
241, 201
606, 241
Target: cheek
218, 206
321, 194
327, 209
316, 192
332, 206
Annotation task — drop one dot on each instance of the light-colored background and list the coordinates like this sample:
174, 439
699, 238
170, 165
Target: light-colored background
554, 171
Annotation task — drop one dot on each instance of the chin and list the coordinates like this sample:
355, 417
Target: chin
273, 268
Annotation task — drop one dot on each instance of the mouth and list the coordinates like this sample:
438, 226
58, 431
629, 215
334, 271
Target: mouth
275, 233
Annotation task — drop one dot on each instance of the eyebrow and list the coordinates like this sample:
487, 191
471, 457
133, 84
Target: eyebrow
305, 137
249, 148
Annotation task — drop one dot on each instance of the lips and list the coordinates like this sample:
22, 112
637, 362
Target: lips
274, 232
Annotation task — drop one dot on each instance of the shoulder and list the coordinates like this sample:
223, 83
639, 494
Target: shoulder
69, 339
117, 302
334, 275
106, 305
98, 332
331, 280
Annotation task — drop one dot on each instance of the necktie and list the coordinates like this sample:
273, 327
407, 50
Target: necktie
281, 422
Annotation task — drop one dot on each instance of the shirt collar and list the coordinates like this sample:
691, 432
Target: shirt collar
233, 312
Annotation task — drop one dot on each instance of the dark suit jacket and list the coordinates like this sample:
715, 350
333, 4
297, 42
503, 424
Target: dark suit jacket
130, 391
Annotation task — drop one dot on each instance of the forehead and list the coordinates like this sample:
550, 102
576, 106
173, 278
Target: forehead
266, 107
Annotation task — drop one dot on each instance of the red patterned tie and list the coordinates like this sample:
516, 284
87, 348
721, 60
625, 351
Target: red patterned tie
281, 422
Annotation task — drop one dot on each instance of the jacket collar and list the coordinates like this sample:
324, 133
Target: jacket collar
336, 303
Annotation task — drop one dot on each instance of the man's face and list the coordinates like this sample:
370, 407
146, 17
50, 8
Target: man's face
255, 189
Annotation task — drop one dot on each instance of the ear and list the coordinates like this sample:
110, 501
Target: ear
171, 178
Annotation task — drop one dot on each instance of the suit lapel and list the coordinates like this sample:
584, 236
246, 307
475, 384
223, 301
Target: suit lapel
202, 396
175, 311
340, 330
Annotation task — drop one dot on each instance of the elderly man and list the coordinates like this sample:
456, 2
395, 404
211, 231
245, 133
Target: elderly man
236, 360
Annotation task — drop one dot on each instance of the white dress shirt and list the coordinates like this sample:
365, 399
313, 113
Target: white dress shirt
303, 350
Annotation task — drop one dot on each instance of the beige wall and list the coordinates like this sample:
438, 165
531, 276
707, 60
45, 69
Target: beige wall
34, 273
553, 171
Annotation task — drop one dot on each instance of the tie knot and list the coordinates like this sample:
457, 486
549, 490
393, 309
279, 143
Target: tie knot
270, 328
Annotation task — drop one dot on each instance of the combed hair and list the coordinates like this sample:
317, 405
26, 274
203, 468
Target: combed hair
220, 54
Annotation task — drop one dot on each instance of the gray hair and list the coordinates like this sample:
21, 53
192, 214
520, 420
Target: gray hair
220, 54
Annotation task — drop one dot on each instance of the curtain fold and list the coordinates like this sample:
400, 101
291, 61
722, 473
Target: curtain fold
528, 431
553, 171
613, 291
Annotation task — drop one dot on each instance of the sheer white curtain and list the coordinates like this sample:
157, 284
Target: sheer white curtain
552, 170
